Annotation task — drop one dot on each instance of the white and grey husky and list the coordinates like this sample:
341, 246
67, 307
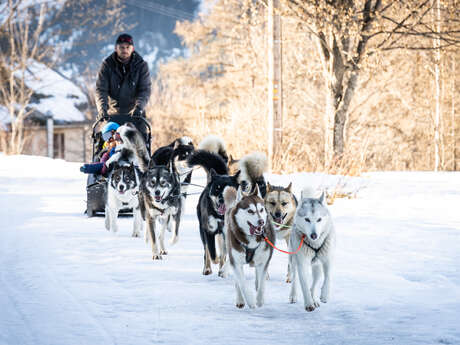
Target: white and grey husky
122, 192
312, 225
247, 226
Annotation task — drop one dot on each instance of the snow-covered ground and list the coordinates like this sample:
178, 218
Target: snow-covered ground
65, 280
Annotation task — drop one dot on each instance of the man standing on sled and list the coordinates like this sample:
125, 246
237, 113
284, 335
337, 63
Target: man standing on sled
123, 84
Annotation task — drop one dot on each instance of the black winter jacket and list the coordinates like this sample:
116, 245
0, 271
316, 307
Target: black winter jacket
120, 89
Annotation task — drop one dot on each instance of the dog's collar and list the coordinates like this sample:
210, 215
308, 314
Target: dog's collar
305, 240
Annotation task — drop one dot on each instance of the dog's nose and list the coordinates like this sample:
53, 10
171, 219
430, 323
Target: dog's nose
260, 222
121, 188
314, 236
157, 192
278, 214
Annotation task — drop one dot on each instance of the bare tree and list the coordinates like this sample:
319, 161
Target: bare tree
348, 32
21, 35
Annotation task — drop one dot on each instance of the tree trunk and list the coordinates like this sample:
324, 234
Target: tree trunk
341, 82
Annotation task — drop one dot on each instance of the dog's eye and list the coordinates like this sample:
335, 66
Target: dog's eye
261, 210
273, 203
307, 220
251, 212
318, 220
283, 203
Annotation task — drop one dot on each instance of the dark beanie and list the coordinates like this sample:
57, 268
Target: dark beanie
125, 38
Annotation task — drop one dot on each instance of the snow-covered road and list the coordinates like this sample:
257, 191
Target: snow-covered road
65, 280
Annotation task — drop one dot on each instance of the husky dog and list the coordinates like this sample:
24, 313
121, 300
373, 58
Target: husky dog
252, 168
160, 199
179, 150
211, 207
132, 150
281, 205
122, 192
312, 225
247, 226
212, 143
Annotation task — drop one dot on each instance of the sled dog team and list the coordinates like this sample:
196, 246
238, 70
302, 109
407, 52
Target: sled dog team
240, 215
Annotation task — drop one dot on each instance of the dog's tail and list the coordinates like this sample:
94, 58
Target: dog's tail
214, 144
252, 167
208, 161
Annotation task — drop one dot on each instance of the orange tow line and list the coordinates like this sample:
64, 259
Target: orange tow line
283, 251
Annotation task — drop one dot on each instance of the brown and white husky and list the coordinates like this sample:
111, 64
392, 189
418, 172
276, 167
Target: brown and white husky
281, 204
246, 226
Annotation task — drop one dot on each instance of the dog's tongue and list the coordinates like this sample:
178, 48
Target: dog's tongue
158, 198
221, 208
279, 220
255, 230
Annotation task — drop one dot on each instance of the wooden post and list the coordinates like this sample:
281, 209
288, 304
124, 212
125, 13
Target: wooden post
50, 135
275, 90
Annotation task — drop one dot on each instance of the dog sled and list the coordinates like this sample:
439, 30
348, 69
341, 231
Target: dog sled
96, 184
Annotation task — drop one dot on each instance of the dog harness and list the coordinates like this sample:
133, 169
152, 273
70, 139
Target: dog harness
249, 252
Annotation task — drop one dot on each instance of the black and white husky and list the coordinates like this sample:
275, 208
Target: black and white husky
211, 207
179, 150
312, 225
160, 199
247, 226
122, 192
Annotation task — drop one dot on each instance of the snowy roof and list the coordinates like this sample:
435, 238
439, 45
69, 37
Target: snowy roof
60, 96
63, 96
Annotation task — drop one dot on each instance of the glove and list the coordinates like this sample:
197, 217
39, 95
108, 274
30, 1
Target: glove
94, 168
138, 112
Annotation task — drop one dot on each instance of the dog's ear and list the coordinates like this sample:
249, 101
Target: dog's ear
256, 190
288, 188
322, 198
151, 163
239, 194
269, 187
114, 165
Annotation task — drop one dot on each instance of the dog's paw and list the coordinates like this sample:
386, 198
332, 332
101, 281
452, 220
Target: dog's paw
316, 303
324, 299
240, 305
207, 271
292, 299
288, 280
163, 252
222, 274
135, 234
157, 257
310, 307
260, 302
